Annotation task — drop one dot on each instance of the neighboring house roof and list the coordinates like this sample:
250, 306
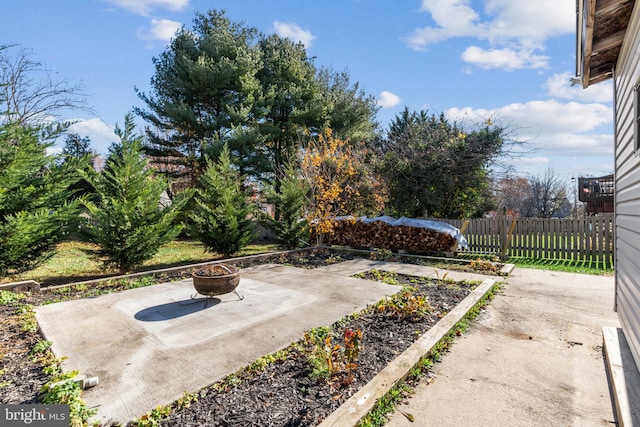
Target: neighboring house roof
601, 25
168, 164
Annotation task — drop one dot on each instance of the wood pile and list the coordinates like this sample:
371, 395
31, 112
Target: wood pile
384, 234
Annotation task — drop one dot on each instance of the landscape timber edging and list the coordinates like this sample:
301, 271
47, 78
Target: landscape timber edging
360, 404
238, 260
622, 375
506, 269
23, 286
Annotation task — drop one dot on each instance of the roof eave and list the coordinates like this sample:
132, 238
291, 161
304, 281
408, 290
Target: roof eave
601, 29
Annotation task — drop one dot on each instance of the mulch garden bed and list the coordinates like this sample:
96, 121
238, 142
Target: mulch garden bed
286, 394
282, 392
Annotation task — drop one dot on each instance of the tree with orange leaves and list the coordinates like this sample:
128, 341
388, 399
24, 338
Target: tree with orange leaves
340, 182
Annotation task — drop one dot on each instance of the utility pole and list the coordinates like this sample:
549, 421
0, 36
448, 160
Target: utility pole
574, 184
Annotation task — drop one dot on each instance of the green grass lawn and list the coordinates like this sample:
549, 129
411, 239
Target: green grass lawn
585, 267
72, 262
570, 266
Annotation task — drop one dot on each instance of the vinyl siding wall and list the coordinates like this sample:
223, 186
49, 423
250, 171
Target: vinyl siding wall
627, 189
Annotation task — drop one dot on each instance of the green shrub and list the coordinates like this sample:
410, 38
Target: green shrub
127, 221
289, 223
35, 208
222, 215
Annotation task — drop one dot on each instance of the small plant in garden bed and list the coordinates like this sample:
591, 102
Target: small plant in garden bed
441, 279
406, 304
484, 265
381, 255
331, 362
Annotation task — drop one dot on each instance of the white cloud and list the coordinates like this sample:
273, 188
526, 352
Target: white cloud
531, 160
559, 86
164, 29
454, 18
565, 165
573, 134
144, 7
578, 143
550, 126
529, 21
513, 29
100, 133
294, 32
53, 151
161, 29
506, 58
388, 99
541, 117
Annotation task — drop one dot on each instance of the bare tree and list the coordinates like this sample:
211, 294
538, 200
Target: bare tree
29, 94
547, 197
511, 195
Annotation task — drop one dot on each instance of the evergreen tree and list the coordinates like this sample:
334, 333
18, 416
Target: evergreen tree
35, 213
222, 216
77, 150
290, 103
222, 82
127, 221
433, 167
289, 222
350, 111
203, 89
76, 146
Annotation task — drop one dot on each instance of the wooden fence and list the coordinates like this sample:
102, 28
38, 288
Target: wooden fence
576, 239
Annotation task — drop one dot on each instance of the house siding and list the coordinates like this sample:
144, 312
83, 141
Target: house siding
627, 189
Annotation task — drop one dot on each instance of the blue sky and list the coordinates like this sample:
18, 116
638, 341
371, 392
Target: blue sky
509, 60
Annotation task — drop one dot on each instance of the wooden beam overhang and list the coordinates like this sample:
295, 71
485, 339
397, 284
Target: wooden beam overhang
601, 29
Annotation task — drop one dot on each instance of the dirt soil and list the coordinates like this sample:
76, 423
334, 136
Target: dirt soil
284, 393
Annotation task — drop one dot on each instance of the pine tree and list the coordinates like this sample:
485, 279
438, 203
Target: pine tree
223, 82
204, 87
221, 218
76, 146
77, 150
35, 213
289, 222
127, 221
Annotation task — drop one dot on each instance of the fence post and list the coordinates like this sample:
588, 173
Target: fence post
502, 230
464, 226
507, 241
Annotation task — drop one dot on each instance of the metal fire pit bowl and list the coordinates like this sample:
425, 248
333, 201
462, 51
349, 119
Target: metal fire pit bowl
216, 279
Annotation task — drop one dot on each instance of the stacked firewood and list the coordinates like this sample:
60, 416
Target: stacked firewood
385, 234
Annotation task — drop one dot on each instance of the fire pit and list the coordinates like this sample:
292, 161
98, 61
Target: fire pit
217, 279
